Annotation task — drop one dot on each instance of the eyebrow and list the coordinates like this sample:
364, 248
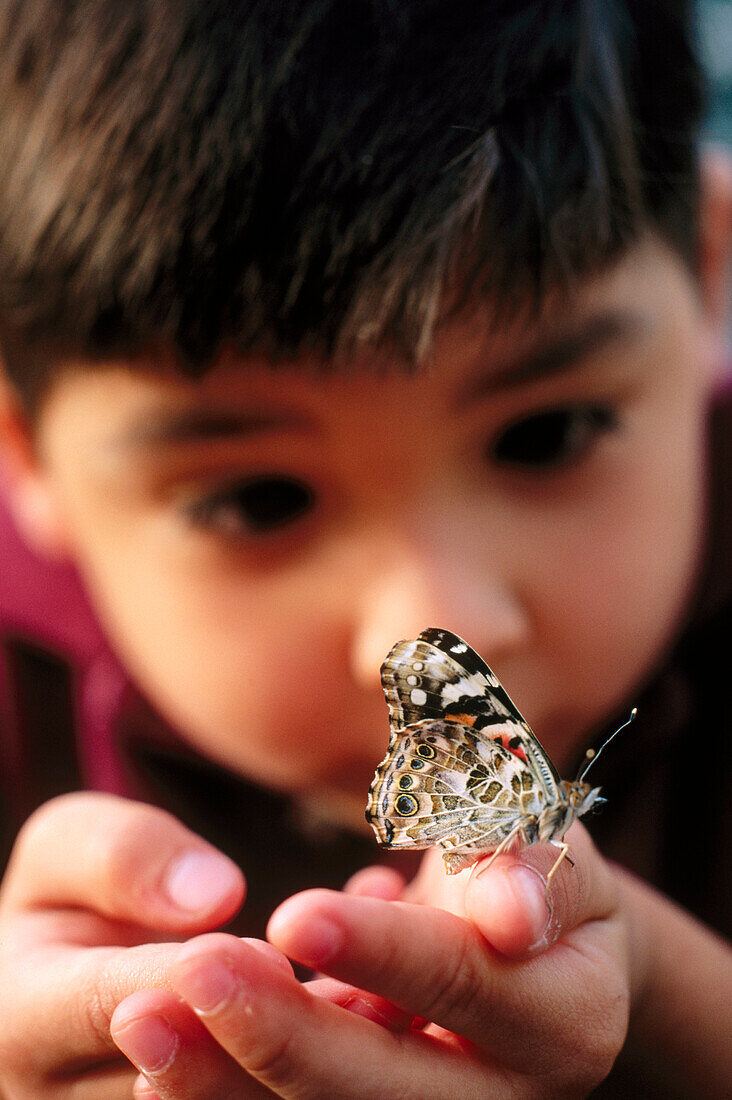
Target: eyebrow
167, 427
564, 353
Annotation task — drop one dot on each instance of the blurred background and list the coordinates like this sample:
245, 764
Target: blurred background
715, 43
715, 39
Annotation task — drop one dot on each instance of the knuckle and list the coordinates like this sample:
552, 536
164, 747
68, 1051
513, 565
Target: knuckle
598, 1043
459, 982
271, 1059
96, 1017
609, 1035
94, 1004
389, 964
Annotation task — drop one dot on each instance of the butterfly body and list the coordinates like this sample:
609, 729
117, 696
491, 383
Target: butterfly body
463, 772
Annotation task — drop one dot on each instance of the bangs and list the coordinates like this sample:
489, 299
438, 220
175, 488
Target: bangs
292, 176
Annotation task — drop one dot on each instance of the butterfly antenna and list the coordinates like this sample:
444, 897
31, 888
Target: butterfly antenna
592, 755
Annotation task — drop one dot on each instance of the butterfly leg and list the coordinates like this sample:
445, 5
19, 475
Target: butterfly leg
562, 855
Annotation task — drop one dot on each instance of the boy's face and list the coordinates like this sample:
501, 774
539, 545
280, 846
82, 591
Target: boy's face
256, 542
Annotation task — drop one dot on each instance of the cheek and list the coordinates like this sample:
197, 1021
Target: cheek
250, 672
622, 567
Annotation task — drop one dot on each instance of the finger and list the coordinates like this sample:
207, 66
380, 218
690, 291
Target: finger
68, 997
519, 914
164, 1039
176, 1056
299, 1045
362, 1003
126, 860
376, 882
433, 886
143, 1090
389, 948
439, 966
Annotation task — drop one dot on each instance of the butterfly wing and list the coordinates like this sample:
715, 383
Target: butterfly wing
439, 676
423, 680
442, 784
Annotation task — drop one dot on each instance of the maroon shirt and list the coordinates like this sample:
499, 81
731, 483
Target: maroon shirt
60, 686
70, 718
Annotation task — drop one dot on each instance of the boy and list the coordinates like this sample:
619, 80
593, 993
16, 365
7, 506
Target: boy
323, 324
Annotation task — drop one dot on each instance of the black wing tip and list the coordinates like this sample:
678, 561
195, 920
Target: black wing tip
441, 633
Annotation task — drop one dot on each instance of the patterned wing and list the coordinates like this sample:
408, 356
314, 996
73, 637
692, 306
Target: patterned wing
423, 680
465, 657
442, 784
439, 676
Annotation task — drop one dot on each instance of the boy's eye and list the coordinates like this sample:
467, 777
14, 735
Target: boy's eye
553, 436
256, 506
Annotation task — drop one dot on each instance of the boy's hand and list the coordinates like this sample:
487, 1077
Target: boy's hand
547, 1021
89, 871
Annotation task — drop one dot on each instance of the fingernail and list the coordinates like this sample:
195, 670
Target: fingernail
530, 889
208, 985
199, 881
149, 1042
387, 1015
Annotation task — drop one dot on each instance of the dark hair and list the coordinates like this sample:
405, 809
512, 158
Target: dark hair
292, 174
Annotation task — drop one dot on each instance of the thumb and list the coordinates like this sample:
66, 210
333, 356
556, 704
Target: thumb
521, 912
125, 860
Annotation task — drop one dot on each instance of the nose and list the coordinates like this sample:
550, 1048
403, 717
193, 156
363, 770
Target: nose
404, 596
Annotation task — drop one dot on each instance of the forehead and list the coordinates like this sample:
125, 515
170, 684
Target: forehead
505, 350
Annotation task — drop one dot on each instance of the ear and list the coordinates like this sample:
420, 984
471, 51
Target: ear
27, 487
715, 235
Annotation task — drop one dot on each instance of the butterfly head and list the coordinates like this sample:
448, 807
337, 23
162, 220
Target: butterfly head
581, 796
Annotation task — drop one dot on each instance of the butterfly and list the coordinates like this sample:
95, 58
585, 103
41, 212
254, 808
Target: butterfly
464, 771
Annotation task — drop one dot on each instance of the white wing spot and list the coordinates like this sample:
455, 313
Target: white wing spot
462, 648
412, 680
466, 686
418, 697
418, 666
